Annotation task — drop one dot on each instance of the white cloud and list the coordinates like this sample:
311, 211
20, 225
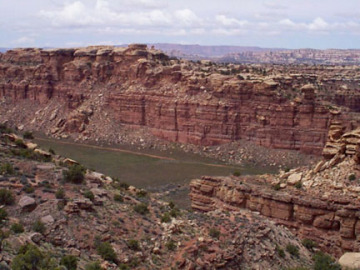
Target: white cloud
318, 24
225, 21
24, 41
186, 17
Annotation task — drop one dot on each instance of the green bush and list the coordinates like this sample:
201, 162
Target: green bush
141, 193
17, 228
75, 174
118, 198
214, 233
141, 208
5, 129
309, 244
293, 250
3, 214
298, 185
171, 205
88, 194
175, 212
325, 262
93, 266
51, 151
170, 245
60, 194
28, 135
29, 188
277, 186
6, 197
166, 218
236, 173
352, 177
107, 252
30, 154
69, 261
39, 226
29, 258
133, 244
280, 251
20, 143
7, 168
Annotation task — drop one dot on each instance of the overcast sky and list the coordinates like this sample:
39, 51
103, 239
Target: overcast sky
265, 23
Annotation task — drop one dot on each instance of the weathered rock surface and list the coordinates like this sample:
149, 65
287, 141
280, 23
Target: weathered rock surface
350, 260
93, 92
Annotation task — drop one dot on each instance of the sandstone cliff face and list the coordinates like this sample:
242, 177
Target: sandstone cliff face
54, 91
321, 204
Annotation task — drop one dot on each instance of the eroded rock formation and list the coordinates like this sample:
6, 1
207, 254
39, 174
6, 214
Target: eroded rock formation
321, 204
94, 92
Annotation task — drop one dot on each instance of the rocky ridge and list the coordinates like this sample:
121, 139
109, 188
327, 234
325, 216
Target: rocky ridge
103, 93
321, 203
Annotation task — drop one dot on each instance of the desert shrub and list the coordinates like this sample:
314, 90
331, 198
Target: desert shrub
60, 194
293, 250
298, 185
28, 135
280, 251
17, 228
352, 177
171, 205
6, 197
88, 194
30, 154
29, 257
51, 151
75, 174
309, 244
236, 173
7, 168
20, 143
29, 188
141, 208
141, 193
166, 218
5, 129
277, 186
175, 212
3, 214
106, 251
133, 244
170, 245
214, 233
69, 261
118, 198
39, 226
93, 266
324, 261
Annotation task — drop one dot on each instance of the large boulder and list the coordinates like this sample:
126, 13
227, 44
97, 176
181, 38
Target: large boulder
27, 204
350, 260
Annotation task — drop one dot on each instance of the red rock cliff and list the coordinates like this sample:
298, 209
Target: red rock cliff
93, 91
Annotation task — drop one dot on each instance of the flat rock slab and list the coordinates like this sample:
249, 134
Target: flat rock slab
350, 260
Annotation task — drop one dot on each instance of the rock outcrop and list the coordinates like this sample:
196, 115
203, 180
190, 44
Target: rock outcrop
96, 92
321, 204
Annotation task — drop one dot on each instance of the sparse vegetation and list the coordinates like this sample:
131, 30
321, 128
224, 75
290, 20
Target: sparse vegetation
3, 214
214, 233
6, 197
75, 174
309, 244
7, 169
170, 245
298, 185
277, 186
141, 208
118, 197
28, 135
106, 251
133, 244
293, 250
237, 173
17, 228
20, 143
39, 226
88, 194
51, 151
166, 218
60, 194
325, 262
69, 261
93, 266
280, 251
141, 193
352, 177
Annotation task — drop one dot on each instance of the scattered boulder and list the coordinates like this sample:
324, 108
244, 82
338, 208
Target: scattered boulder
350, 260
27, 204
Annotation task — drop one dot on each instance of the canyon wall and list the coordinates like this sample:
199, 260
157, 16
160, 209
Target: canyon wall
96, 90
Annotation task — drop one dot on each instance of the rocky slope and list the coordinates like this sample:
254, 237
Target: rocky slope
320, 204
52, 213
100, 93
